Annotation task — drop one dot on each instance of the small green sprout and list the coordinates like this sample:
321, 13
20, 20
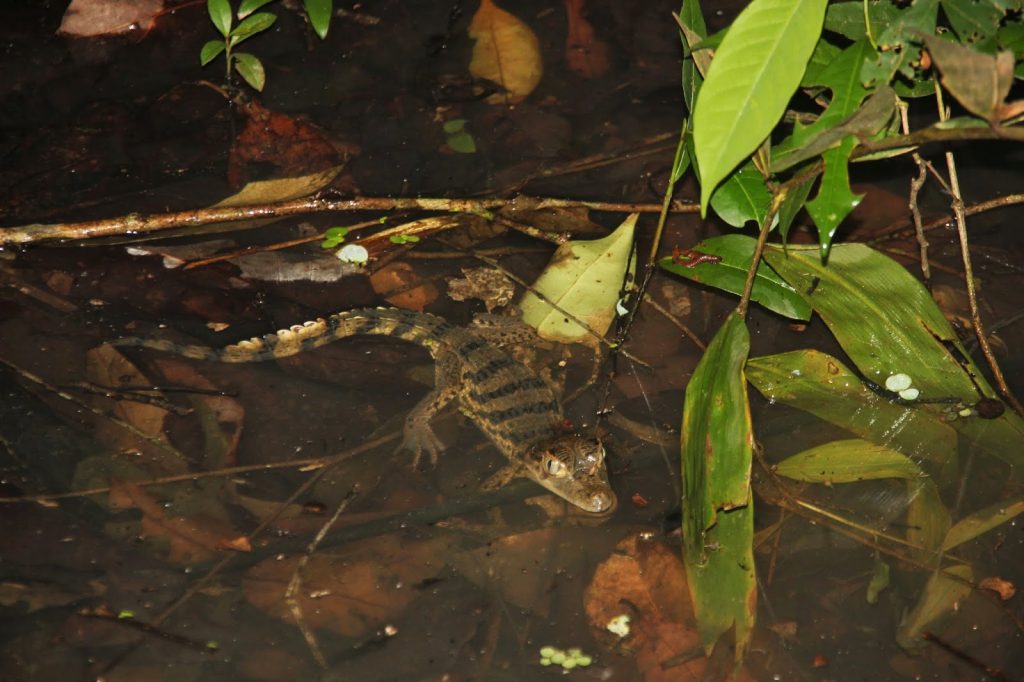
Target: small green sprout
125, 614
573, 658
403, 239
333, 236
458, 138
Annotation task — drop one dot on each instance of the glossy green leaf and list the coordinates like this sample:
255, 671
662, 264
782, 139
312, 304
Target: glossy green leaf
319, 13
220, 15
941, 596
693, 30
584, 277
847, 461
755, 72
717, 446
251, 69
742, 198
835, 200
730, 274
210, 51
252, 25
247, 7
981, 522
820, 384
884, 319
794, 201
724, 586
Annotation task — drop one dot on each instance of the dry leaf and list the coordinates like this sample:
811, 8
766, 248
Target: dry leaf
354, 591
584, 53
1004, 588
506, 52
91, 18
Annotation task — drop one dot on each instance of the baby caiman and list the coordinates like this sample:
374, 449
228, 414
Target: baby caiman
512, 405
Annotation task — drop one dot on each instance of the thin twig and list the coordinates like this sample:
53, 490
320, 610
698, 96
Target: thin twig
915, 211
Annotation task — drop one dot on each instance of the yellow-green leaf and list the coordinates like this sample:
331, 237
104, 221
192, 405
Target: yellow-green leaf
506, 52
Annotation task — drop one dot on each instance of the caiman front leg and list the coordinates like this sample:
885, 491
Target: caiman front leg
418, 435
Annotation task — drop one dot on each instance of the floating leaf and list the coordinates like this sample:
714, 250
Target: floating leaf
885, 320
281, 189
730, 274
752, 77
506, 52
583, 278
818, 383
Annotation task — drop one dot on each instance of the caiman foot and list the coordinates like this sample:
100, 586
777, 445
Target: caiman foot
419, 438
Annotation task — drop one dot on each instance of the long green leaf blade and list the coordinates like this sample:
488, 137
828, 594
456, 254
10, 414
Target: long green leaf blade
752, 77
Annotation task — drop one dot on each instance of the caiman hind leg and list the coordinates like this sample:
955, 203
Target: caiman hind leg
418, 436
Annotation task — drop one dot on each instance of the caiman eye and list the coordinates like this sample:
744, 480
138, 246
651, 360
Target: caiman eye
554, 466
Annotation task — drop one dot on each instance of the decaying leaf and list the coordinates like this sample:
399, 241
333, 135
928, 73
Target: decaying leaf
93, 18
585, 54
506, 52
645, 581
281, 189
583, 278
351, 592
189, 540
393, 277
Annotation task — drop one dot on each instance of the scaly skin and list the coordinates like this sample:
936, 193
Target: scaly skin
514, 407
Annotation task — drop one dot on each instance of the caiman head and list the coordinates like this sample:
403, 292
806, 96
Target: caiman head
573, 468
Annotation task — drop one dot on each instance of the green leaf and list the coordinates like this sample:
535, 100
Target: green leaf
210, 51
693, 30
941, 596
981, 522
717, 446
730, 274
319, 13
848, 461
755, 72
879, 580
724, 587
834, 200
251, 69
824, 54
456, 125
249, 6
791, 205
820, 384
899, 43
252, 25
716, 433
463, 143
742, 198
927, 520
884, 319
220, 15
973, 21
584, 278
847, 18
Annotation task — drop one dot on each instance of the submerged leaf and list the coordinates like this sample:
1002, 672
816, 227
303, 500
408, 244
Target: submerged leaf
506, 52
941, 596
583, 278
981, 521
847, 461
